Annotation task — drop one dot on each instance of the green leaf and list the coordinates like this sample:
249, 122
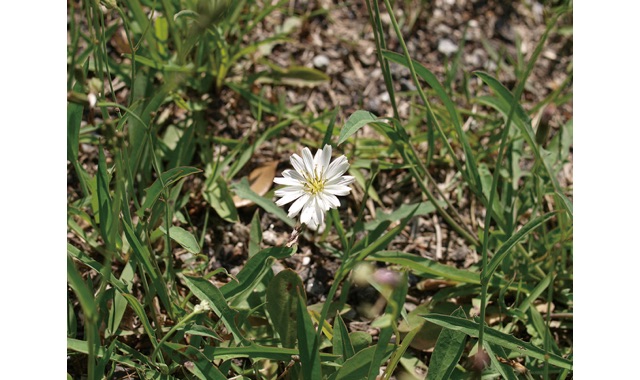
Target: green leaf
447, 351
356, 121
199, 364
256, 235
166, 179
357, 367
511, 242
282, 303
142, 315
220, 198
454, 115
255, 352
253, 271
423, 208
309, 353
206, 291
422, 265
497, 337
341, 342
243, 190
184, 238
142, 256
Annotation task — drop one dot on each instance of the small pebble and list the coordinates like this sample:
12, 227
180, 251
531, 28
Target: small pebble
447, 47
320, 61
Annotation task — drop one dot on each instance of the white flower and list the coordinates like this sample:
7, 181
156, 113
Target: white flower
314, 185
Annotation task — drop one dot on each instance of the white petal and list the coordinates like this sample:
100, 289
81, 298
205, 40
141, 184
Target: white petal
289, 190
330, 199
344, 180
308, 212
340, 190
307, 158
288, 181
319, 209
293, 174
289, 197
324, 160
337, 168
297, 163
297, 205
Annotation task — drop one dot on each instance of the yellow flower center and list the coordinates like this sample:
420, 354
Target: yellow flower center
314, 184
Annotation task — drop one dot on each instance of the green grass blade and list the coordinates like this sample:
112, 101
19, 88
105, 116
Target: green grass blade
357, 367
504, 250
166, 179
206, 291
497, 337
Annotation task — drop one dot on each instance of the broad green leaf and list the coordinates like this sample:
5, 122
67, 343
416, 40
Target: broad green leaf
282, 303
447, 351
356, 121
166, 179
243, 190
341, 342
309, 352
494, 336
206, 291
360, 340
184, 238
256, 235
220, 198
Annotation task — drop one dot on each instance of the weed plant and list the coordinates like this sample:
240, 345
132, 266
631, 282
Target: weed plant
150, 176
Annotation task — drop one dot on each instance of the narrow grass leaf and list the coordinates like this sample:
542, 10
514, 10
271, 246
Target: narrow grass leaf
243, 190
497, 337
119, 304
422, 265
197, 363
256, 351
357, 367
423, 208
454, 115
142, 255
105, 214
206, 291
166, 179
505, 248
282, 303
309, 353
253, 270
447, 351
356, 121
505, 370
142, 315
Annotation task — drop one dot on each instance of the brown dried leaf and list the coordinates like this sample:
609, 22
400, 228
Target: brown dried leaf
260, 181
